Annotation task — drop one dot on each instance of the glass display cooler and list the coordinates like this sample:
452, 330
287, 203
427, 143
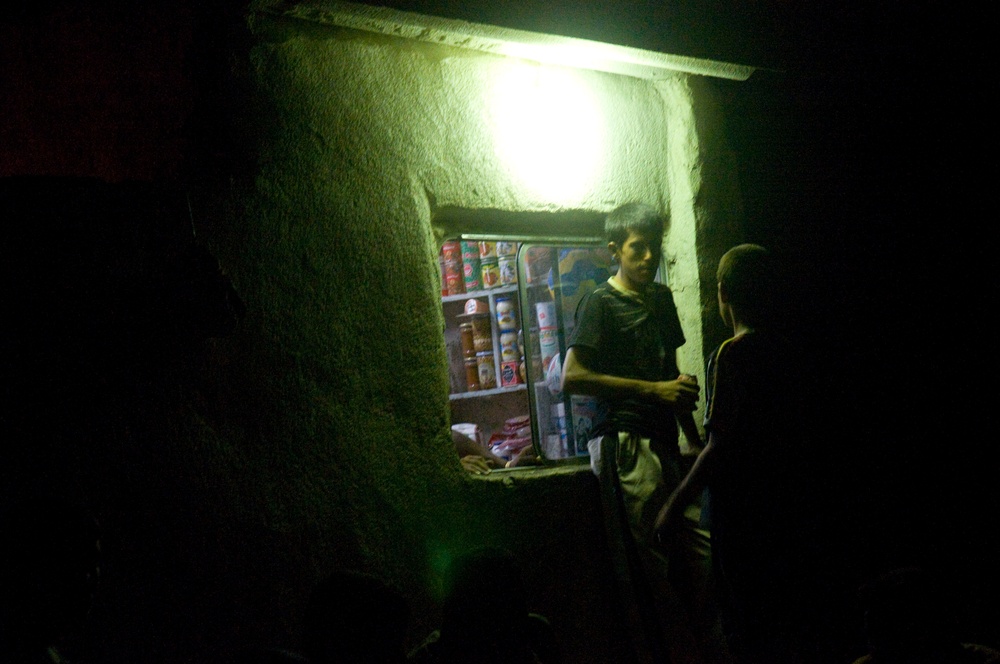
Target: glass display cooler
510, 306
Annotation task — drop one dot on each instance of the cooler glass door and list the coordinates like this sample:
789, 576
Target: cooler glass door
553, 278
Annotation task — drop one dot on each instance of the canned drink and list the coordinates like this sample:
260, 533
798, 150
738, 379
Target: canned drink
444, 276
508, 270
549, 343
469, 250
506, 249
451, 260
490, 269
472, 272
455, 283
537, 263
487, 250
451, 251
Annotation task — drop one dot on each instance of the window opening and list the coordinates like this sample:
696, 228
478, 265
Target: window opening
509, 307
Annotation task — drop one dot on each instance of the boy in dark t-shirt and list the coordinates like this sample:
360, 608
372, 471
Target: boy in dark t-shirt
623, 350
635, 336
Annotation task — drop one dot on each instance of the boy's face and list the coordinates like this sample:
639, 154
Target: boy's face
638, 258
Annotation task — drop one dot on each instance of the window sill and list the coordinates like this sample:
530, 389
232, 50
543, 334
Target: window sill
535, 473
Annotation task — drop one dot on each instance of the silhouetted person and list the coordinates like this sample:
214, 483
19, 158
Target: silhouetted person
355, 618
909, 620
486, 621
750, 467
49, 568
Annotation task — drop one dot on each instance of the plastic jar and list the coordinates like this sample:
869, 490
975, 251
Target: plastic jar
508, 347
482, 333
506, 315
471, 374
487, 371
468, 340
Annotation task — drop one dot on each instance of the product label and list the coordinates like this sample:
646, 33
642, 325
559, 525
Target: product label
509, 374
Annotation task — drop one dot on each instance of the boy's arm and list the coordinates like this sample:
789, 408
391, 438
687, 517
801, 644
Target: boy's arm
691, 433
578, 378
687, 491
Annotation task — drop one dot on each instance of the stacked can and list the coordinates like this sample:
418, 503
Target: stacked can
537, 263
451, 256
521, 370
509, 354
469, 356
471, 268
586, 414
489, 266
482, 343
548, 337
507, 262
558, 413
444, 278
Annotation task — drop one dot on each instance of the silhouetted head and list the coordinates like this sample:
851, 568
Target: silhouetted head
907, 616
355, 617
484, 594
49, 566
746, 279
486, 620
269, 656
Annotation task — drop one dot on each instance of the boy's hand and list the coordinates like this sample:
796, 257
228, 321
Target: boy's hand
665, 525
475, 464
680, 394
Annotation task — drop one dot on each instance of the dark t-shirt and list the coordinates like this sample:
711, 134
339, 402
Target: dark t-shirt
742, 406
632, 337
756, 496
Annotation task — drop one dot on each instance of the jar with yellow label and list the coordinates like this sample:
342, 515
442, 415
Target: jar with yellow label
508, 347
506, 314
487, 371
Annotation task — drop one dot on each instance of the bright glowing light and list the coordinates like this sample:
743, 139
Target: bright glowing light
548, 130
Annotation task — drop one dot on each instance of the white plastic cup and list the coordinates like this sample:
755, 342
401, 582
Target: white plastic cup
546, 312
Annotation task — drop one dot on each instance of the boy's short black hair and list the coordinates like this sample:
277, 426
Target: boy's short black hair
746, 274
633, 218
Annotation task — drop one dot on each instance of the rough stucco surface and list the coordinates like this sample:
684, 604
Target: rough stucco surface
706, 208
334, 445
